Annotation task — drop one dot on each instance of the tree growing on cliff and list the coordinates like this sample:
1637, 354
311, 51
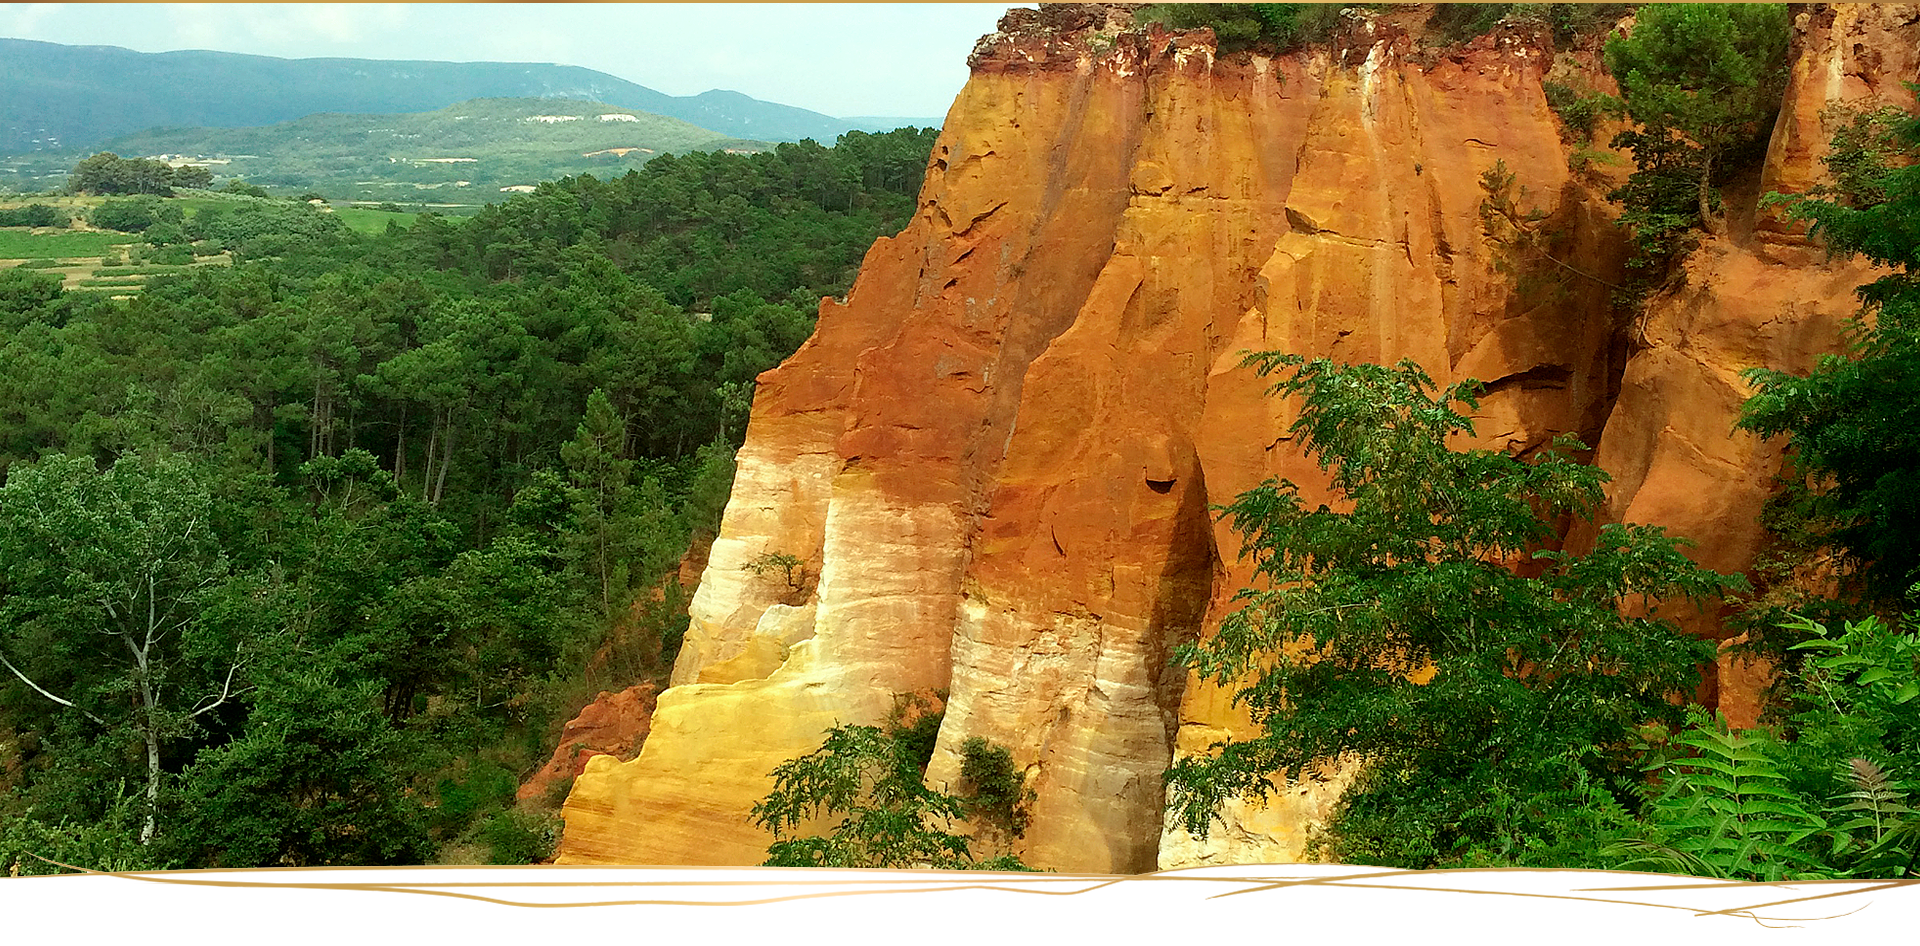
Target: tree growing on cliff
1434, 632
1854, 421
1702, 82
1240, 25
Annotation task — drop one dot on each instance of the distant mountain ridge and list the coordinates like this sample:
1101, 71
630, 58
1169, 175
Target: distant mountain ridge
64, 98
475, 147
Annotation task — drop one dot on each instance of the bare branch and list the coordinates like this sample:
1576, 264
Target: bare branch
43, 692
226, 690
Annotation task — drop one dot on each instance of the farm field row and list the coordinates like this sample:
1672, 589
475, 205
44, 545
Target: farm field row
83, 272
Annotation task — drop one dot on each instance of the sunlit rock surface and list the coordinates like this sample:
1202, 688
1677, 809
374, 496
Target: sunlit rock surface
997, 456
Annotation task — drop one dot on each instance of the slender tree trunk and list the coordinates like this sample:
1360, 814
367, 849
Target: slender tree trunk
151, 822
1708, 221
269, 405
426, 475
313, 418
606, 566
446, 460
400, 447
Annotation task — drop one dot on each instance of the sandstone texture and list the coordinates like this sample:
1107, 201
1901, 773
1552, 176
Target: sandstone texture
997, 457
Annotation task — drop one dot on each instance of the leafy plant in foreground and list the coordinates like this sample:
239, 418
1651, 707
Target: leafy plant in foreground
874, 779
1727, 812
1397, 630
1828, 802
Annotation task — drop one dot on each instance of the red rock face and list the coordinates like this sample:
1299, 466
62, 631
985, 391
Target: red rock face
614, 724
997, 457
1760, 296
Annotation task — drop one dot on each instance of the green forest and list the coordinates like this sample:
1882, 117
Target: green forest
306, 557
304, 560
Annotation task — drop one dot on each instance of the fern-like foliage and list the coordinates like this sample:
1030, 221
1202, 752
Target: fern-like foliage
1726, 812
1881, 835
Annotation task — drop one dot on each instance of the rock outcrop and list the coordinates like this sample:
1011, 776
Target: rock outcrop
614, 724
997, 457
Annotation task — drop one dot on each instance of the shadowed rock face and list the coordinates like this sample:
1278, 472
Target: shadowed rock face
997, 456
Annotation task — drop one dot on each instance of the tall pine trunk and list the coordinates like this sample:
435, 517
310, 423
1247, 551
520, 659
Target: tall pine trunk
400, 448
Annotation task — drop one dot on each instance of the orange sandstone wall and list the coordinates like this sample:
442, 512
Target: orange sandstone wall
1760, 296
997, 455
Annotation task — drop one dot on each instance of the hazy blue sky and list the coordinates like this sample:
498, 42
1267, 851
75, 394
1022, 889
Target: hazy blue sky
904, 59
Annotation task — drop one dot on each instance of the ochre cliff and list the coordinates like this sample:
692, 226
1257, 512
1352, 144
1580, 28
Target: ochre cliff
996, 456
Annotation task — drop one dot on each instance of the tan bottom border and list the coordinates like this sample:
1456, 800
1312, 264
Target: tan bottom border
1256, 895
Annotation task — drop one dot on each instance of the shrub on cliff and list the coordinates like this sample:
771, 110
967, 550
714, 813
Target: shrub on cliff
1434, 631
1235, 26
1461, 22
1853, 422
1702, 82
874, 778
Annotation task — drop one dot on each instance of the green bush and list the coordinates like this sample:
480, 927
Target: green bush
1453, 23
1578, 108
874, 780
175, 254
244, 189
1236, 26
133, 214
1830, 799
518, 836
164, 233
1850, 422
1450, 673
30, 847
1460, 22
486, 787
255, 230
1867, 145
35, 215
995, 791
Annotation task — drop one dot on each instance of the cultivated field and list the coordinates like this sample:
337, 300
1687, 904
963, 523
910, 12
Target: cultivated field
19, 243
89, 261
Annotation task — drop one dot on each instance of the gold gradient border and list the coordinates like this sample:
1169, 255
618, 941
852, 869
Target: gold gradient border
1250, 895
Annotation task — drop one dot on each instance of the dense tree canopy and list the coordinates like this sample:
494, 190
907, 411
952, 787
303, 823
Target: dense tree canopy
405, 500
109, 173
